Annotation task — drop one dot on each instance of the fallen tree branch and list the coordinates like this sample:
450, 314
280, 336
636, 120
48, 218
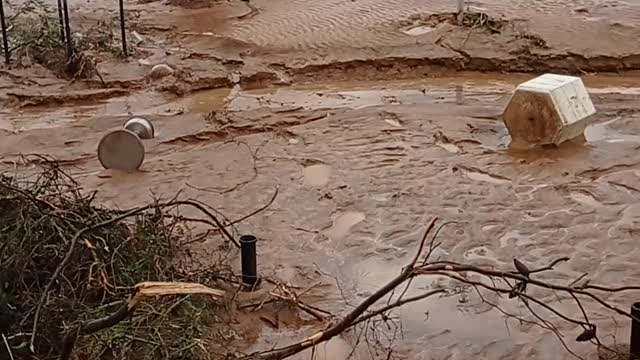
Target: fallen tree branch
521, 279
351, 318
442, 268
282, 292
397, 304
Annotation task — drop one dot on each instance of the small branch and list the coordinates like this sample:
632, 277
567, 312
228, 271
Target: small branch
254, 158
301, 305
259, 210
232, 222
351, 317
93, 326
6, 344
397, 304
453, 267
506, 291
413, 262
550, 266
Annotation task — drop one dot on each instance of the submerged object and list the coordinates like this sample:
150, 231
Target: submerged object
122, 149
549, 109
159, 71
142, 127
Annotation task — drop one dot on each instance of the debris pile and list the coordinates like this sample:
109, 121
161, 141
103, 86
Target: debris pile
65, 261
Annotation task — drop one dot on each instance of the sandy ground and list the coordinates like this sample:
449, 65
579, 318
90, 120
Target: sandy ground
271, 43
362, 158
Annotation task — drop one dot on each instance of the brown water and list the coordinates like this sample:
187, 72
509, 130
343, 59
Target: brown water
359, 172
361, 166
317, 175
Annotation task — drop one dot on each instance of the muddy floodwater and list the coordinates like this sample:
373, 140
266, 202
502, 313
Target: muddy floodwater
359, 171
340, 107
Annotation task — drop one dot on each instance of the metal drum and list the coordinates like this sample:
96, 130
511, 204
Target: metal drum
123, 149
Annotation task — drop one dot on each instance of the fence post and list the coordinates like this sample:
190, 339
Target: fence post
67, 29
122, 29
5, 41
61, 18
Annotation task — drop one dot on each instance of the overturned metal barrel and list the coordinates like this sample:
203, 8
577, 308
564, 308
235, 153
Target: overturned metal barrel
549, 109
123, 149
142, 127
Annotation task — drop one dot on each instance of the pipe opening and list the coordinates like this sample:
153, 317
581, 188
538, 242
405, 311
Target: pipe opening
248, 257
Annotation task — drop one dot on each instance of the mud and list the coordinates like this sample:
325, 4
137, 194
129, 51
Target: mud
369, 117
360, 173
267, 43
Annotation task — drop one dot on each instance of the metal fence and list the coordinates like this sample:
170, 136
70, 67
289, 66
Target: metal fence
65, 29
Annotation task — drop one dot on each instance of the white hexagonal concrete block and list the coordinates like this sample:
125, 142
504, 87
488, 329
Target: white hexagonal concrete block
549, 109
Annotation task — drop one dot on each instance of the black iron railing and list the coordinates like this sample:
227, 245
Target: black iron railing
5, 41
65, 29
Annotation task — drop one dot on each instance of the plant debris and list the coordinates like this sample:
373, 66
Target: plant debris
36, 37
79, 262
468, 19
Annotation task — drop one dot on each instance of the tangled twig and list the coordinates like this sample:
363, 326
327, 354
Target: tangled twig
115, 219
522, 279
55, 241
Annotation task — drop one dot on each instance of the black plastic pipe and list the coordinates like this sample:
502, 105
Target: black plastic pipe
122, 29
248, 259
67, 29
5, 41
61, 18
634, 344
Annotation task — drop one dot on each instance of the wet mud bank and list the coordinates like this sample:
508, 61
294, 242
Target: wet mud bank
387, 69
278, 75
408, 45
443, 44
407, 68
